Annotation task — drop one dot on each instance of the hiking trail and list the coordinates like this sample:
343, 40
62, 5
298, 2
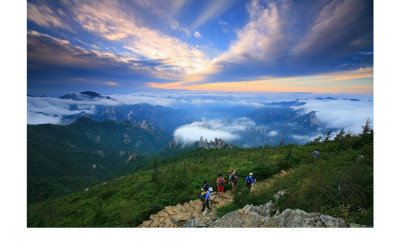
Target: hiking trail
177, 216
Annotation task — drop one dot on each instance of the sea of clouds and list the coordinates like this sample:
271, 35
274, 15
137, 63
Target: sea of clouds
218, 115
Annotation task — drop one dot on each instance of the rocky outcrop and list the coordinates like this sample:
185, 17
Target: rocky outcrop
263, 216
131, 157
218, 143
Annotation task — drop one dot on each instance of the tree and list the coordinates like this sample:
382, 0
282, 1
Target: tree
328, 134
281, 143
154, 177
340, 135
367, 128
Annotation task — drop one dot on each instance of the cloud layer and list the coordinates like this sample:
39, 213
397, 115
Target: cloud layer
210, 129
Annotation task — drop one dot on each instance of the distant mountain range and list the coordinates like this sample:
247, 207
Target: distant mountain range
271, 123
85, 96
167, 119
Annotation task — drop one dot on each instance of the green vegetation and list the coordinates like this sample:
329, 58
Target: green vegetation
64, 159
339, 183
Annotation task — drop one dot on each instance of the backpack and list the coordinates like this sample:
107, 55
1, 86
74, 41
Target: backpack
233, 178
220, 181
203, 196
248, 180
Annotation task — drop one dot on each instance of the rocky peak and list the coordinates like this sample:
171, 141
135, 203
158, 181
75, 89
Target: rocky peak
217, 143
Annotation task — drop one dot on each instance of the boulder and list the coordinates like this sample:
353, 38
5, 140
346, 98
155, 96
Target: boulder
298, 218
147, 223
170, 210
162, 213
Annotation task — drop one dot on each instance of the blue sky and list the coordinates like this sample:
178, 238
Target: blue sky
118, 47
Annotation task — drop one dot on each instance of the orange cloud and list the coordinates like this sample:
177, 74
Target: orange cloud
359, 81
111, 83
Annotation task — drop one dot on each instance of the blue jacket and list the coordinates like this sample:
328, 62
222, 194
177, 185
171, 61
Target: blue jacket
207, 195
251, 178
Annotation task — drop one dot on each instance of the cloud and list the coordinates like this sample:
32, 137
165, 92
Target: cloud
197, 34
351, 81
111, 21
111, 83
38, 118
339, 113
214, 10
306, 138
145, 97
44, 16
279, 40
273, 133
337, 17
260, 39
51, 110
210, 129
54, 51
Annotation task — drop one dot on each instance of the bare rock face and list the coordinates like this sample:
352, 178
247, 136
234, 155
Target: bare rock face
267, 216
298, 218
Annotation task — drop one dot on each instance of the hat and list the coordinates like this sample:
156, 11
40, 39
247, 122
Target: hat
251, 174
230, 171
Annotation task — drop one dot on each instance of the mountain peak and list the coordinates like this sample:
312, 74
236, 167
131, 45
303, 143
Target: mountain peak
86, 95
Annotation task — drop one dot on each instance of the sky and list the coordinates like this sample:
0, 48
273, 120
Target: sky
119, 47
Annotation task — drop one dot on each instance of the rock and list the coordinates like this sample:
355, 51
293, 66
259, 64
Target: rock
168, 223
186, 207
298, 218
155, 224
195, 214
199, 222
181, 219
192, 203
357, 225
279, 194
147, 223
239, 220
263, 210
162, 213
259, 216
170, 210
189, 215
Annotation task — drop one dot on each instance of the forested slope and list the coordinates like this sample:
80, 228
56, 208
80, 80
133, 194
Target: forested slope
339, 183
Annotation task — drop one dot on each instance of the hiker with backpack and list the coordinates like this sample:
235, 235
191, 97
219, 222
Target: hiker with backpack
220, 184
205, 196
315, 154
205, 186
232, 178
250, 181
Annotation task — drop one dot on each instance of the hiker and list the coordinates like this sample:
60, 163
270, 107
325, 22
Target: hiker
220, 184
250, 180
233, 179
315, 154
205, 186
205, 196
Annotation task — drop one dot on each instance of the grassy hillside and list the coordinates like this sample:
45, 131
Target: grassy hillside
339, 183
63, 159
